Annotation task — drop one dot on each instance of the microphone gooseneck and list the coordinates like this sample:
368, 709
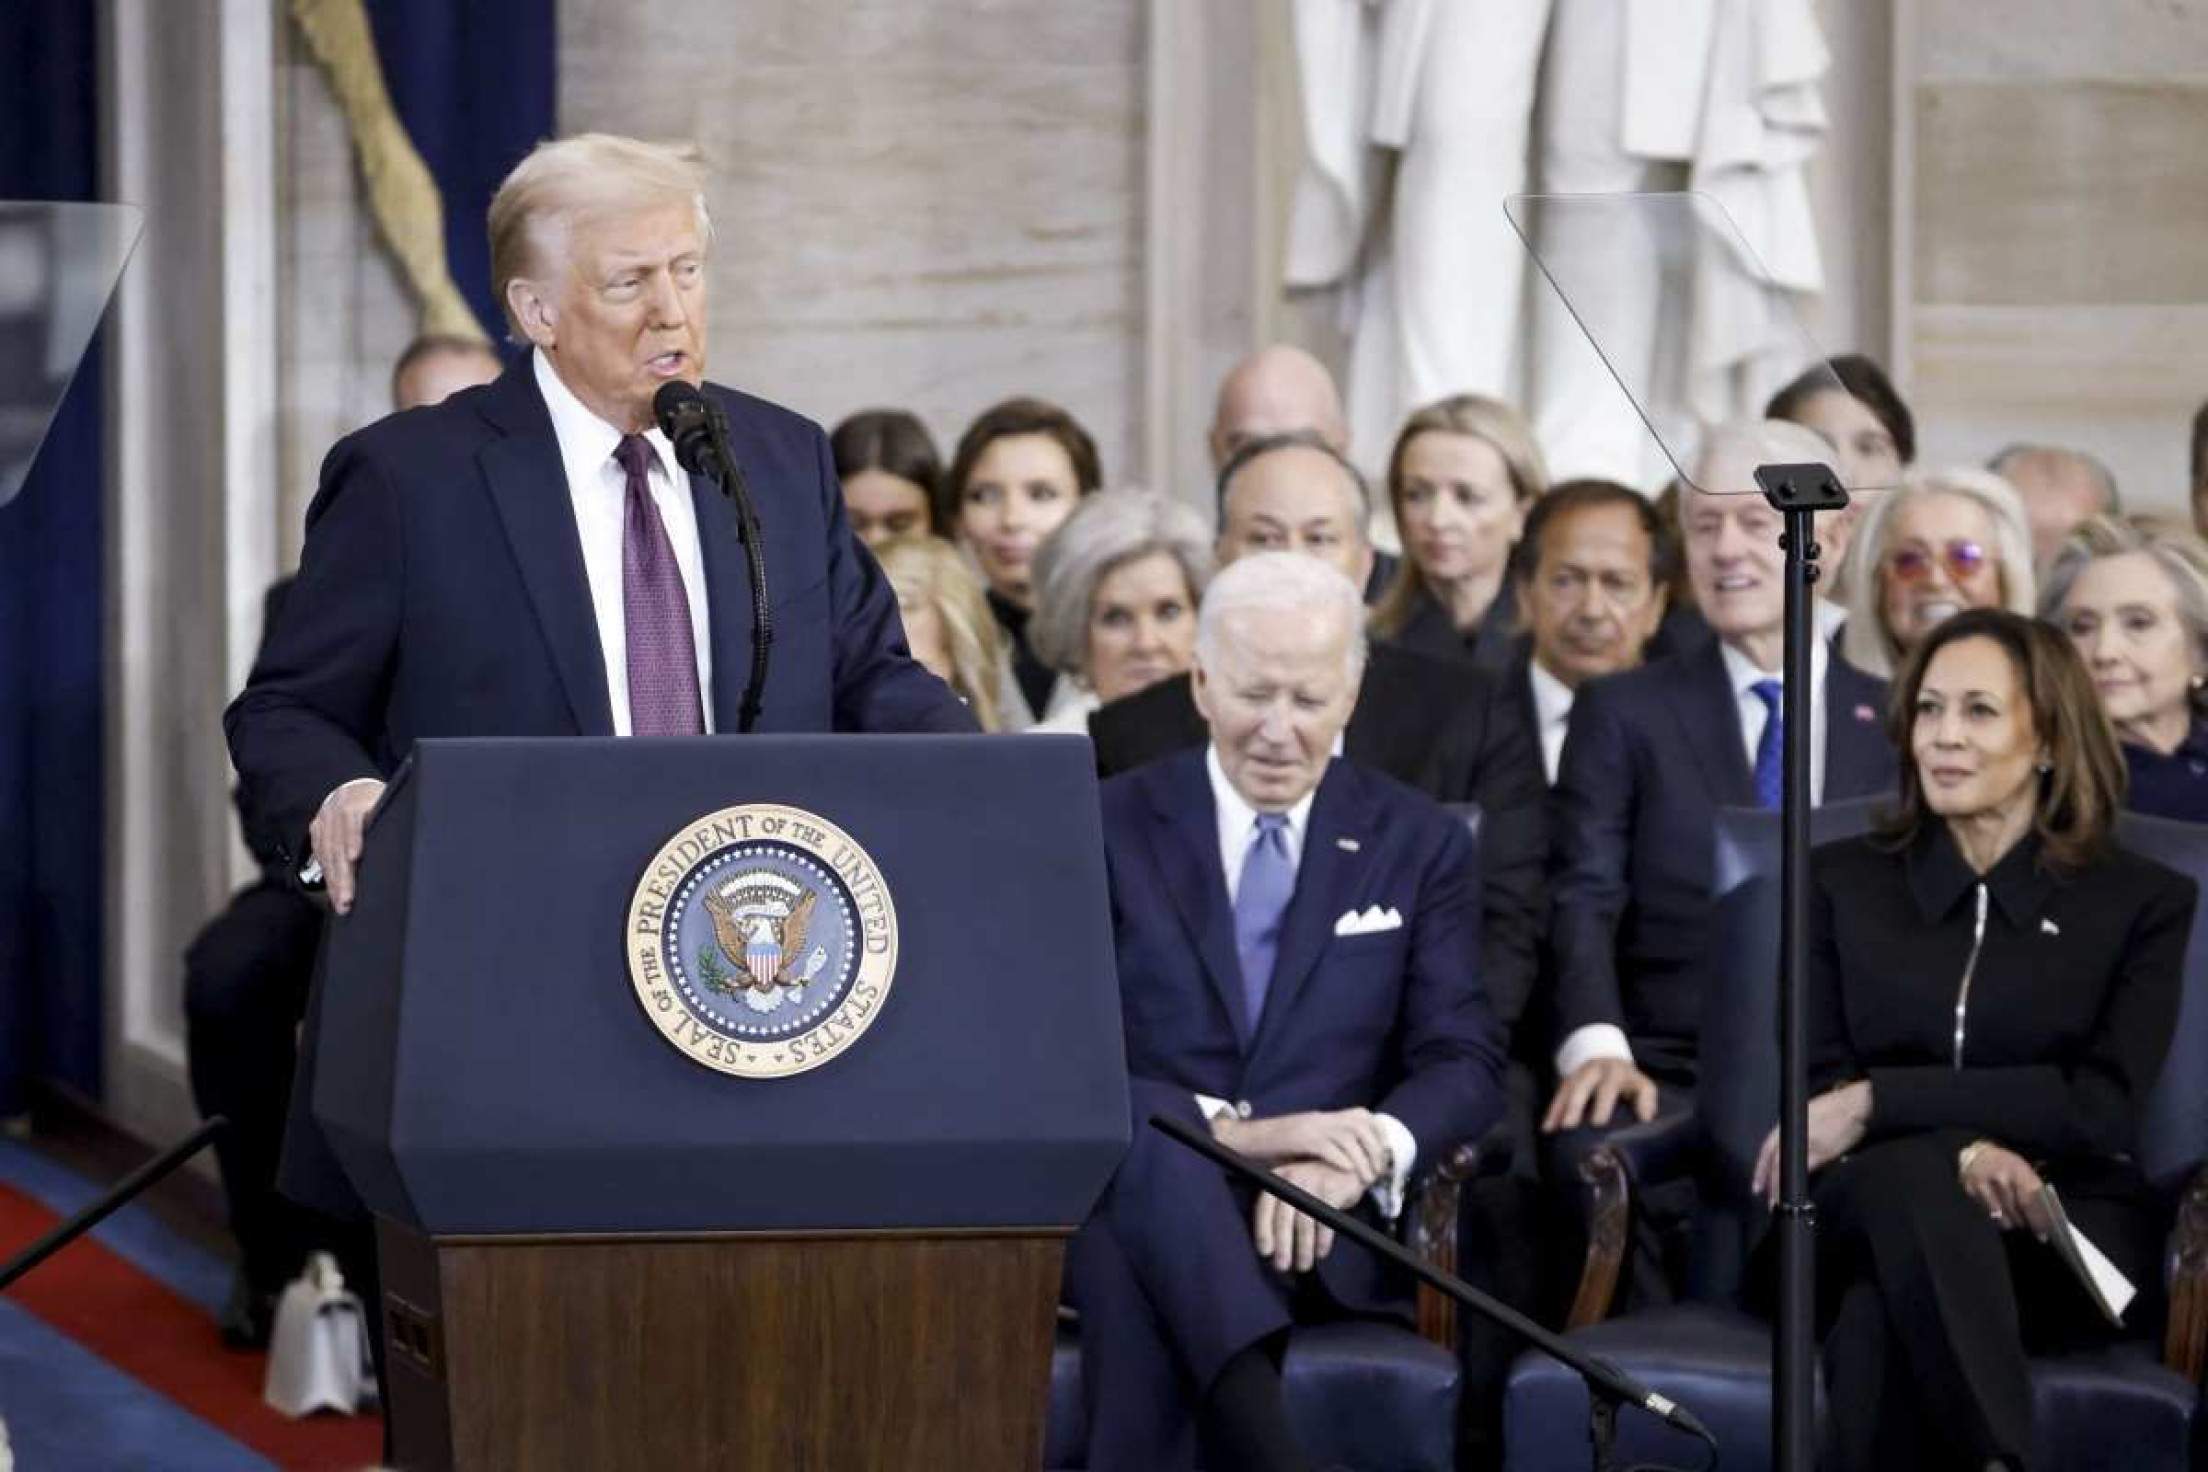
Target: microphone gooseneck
698, 429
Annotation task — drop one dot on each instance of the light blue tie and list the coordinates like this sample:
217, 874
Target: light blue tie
1261, 899
1770, 748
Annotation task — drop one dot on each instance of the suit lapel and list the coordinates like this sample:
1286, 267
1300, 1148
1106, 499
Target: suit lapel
528, 484
728, 599
1710, 717
1184, 832
1858, 759
1326, 878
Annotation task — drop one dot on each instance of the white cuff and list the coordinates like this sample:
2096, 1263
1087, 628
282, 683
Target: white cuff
1586, 1044
1213, 1108
1387, 1195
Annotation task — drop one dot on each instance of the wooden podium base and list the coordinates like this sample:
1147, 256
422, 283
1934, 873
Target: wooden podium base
747, 1350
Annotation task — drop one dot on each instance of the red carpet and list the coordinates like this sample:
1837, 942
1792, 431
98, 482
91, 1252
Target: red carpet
168, 1344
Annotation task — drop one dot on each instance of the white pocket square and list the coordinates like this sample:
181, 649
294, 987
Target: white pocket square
1370, 921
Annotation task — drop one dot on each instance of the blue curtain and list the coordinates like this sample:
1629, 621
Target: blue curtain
51, 800
476, 86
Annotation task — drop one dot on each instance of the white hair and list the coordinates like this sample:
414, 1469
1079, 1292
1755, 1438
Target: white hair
1280, 582
1106, 532
565, 178
1865, 641
1759, 442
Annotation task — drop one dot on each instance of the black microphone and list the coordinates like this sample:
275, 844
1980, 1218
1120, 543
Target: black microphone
699, 432
1599, 1373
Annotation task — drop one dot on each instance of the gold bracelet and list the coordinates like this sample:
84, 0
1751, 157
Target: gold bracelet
1969, 1154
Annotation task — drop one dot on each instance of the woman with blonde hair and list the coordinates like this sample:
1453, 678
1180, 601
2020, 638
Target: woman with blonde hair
1945, 541
1463, 472
947, 622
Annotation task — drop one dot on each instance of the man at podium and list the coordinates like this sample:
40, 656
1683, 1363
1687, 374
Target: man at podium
1298, 950
528, 559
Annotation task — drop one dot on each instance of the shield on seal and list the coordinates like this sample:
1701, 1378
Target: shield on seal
763, 949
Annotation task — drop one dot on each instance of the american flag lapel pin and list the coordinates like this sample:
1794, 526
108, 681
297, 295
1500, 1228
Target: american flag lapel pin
1346, 845
1866, 715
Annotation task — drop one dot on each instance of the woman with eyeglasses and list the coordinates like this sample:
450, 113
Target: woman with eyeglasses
2133, 596
1944, 542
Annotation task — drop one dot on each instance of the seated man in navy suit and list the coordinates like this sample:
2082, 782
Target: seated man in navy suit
1650, 756
1298, 947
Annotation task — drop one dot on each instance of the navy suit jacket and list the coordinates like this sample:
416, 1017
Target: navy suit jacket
1652, 754
441, 592
1395, 1021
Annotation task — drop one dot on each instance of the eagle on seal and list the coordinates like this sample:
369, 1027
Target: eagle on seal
765, 949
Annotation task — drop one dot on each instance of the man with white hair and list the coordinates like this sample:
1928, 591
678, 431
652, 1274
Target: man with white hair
528, 559
1298, 956
1649, 757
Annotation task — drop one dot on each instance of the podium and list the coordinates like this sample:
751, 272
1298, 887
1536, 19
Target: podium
599, 1251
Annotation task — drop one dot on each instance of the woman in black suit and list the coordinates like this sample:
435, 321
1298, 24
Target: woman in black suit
1992, 989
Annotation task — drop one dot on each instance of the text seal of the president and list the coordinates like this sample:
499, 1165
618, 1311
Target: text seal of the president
762, 940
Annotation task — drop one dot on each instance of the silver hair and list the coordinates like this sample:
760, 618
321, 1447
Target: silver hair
1106, 532
1865, 641
2176, 549
1760, 442
1280, 582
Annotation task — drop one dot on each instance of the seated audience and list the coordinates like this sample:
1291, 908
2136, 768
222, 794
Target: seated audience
1650, 756
1462, 476
889, 470
1016, 475
2133, 597
1340, 1061
1944, 542
2059, 489
1851, 402
246, 976
1590, 578
1943, 1106
1284, 390
1116, 589
1432, 724
948, 625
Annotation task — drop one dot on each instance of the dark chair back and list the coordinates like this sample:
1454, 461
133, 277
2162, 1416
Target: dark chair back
1737, 1098
2173, 1130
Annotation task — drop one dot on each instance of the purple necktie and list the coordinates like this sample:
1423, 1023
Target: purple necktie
663, 656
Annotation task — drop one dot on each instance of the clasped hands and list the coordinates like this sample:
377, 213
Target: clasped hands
1336, 1155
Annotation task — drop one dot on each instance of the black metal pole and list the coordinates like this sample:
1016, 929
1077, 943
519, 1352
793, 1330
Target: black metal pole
1798, 493
91, 1216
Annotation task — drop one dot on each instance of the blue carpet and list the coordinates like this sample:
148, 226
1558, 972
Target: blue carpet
133, 1233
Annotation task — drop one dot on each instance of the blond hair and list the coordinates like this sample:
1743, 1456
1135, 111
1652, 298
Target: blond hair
1496, 425
1865, 641
927, 569
567, 179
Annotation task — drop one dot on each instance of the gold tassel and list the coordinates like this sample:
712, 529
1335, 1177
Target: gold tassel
401, 193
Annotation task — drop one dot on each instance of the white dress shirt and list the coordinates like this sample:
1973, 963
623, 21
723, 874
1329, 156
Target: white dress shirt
1607, 1040
1552, 714
597, 488
1237, 831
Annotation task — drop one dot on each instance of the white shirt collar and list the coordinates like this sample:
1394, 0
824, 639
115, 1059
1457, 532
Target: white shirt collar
1238, 820
1742, 671
585, 439
1552, 698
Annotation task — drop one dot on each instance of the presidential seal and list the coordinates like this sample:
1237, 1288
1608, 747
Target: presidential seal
762, 941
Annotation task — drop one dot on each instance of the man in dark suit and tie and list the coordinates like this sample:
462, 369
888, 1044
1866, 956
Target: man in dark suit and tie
1651, 755
527, 559
1433, 724
1297, 942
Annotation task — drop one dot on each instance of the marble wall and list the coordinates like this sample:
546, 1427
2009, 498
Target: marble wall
928, 205
2052, 196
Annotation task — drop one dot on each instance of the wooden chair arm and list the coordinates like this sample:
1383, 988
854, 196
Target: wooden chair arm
2185, 1342
1430, 1230
1609, 1217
